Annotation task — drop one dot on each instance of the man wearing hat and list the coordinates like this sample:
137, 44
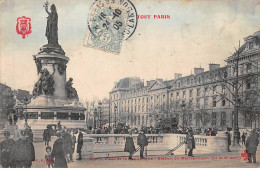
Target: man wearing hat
58, 153
24, 151
142, 142
7, 151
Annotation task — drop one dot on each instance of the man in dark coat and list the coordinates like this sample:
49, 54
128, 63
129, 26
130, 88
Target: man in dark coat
142, 142
58, 153
251, 146
243, 139
7, 148
47, 136
130, 146
190, 142
229, 140
80, 144
67, 144
24, 151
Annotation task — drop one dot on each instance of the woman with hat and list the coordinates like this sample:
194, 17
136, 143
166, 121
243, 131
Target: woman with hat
58, 153
129, 145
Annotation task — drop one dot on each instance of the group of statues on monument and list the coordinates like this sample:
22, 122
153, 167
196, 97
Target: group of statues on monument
45, 84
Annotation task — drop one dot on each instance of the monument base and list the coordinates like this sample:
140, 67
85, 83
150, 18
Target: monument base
46, 110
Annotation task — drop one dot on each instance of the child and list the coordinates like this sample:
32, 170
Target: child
48, 157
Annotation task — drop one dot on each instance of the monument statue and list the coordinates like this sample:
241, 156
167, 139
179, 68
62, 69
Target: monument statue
70, 91
45, 84
52, 25
51, 32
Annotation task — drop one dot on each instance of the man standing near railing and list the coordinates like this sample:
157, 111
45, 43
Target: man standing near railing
142, 142
190, 142
80, 144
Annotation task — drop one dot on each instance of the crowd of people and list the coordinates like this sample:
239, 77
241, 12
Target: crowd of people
18, 153
63, 147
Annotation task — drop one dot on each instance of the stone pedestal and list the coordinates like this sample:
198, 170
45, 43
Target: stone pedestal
50, 103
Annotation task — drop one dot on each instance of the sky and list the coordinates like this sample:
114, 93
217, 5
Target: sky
197, 33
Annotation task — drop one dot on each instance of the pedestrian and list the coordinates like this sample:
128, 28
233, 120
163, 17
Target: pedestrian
190, 142
17, 134
29, 133
48, 158
239, 136
243, 139
7, 148
129, 145
67, 144
251, 146
24, 151
142, 142
58, 153
59, 127
80, 144
228, 139
73, 139
186, 142
46, 136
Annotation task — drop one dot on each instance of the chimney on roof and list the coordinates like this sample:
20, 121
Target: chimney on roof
177, 75
213, 67
198, 70
159, 79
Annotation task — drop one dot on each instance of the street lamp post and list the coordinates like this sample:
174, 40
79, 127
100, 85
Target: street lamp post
100, 108
95, 114
183, 106
25, 111
109, 117
115, 110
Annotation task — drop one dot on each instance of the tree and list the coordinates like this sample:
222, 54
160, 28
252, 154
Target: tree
203, 116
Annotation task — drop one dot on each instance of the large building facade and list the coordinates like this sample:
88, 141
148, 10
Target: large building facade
205, 99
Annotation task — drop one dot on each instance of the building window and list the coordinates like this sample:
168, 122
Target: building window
184, 94
214, 104
206, 102
171, 95
248, 84
198, 103
214, 118
223, 119
205, 91
198, 92
197, 121
223, 89
190, 93
223, 102
177, 94
248, 67
214, 89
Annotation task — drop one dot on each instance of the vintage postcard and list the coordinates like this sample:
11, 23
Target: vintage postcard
129, 83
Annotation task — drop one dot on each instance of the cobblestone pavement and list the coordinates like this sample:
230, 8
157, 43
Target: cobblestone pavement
220, 160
